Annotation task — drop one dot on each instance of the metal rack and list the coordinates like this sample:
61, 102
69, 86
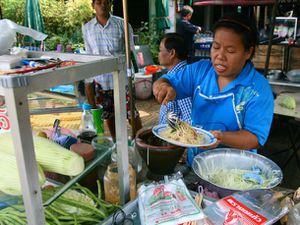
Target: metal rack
16, 87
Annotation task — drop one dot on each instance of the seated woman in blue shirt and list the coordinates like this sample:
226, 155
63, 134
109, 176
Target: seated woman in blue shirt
229, 96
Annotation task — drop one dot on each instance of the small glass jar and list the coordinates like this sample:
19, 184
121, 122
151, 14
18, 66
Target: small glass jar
102, 144
111, 184
133, 157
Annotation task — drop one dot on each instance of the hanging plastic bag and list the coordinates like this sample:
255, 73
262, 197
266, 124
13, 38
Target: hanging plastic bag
8, 34
294, 215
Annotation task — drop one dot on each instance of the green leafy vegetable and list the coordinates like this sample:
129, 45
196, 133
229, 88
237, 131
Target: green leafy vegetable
78, 206
288, 102
233, 179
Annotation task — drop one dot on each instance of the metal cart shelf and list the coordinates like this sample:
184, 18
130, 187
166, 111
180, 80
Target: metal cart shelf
16, 87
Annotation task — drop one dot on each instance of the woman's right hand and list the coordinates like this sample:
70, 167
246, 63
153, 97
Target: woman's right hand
163, 91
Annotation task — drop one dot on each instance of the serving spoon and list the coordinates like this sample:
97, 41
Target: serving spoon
172, 120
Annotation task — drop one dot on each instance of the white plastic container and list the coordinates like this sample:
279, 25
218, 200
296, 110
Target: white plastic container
143, 85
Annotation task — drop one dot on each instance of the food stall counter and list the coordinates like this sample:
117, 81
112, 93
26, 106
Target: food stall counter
16, 87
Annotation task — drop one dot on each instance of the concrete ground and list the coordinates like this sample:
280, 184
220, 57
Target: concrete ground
276, 148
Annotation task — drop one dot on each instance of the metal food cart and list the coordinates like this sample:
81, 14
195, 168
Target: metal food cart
16, 87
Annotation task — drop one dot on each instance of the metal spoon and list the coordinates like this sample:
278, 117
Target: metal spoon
172, 120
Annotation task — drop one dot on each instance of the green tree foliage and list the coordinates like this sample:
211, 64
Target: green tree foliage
53, 12
62, 19
13, 10
146, 35
78, 12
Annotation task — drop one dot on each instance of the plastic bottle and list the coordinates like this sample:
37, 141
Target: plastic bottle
87, 128
30, 63
87, 121
98, 122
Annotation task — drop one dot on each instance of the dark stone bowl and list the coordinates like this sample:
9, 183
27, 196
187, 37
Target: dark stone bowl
160, 156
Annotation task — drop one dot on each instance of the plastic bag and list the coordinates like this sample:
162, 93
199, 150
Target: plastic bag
8, 34
167, 203
253, 207
294, 215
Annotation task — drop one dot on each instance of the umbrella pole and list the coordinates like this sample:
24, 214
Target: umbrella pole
128, 63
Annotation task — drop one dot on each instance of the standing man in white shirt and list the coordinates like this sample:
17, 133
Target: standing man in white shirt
104, 35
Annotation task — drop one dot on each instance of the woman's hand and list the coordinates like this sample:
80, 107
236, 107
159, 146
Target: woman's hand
218, 135
241, 139
163, 91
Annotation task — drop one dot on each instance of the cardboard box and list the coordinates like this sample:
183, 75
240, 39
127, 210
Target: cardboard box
276, 57
294, 60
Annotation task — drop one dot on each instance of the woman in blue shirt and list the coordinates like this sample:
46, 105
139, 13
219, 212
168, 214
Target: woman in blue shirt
229, 97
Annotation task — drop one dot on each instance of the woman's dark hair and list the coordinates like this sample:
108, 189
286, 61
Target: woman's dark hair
242, 25
176, 41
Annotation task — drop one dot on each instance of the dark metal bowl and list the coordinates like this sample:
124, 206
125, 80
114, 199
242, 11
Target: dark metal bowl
228, 159
160, 156
274, 74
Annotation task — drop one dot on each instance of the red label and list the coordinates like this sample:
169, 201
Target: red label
4, 121
237, 208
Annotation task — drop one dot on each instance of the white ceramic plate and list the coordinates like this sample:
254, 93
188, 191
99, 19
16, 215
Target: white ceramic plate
209, 139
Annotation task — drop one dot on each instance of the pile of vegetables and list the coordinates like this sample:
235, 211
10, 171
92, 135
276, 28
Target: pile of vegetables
235, 179
78, 205
288, 102
9, 173
50, 157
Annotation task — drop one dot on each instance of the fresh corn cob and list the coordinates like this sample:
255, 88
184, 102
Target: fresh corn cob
51, 156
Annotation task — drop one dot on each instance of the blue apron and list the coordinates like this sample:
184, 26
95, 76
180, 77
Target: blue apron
213, 113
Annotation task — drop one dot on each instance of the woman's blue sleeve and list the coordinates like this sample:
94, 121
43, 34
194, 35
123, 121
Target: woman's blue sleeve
259, 113
187, 79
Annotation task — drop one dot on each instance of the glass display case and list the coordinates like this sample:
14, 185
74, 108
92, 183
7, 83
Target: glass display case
17, 87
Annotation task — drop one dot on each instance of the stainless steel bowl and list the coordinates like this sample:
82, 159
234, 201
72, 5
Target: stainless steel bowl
227, 158
293, 75
274, 74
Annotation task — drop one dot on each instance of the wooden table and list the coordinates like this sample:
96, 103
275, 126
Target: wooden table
292, 118
280, 110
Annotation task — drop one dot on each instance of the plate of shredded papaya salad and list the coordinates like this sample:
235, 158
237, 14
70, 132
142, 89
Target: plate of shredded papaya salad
184, 135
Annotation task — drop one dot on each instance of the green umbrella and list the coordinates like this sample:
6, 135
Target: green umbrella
33, 17
162, 14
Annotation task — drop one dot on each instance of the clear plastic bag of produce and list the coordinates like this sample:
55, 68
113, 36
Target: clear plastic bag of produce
167, 202
255, 207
